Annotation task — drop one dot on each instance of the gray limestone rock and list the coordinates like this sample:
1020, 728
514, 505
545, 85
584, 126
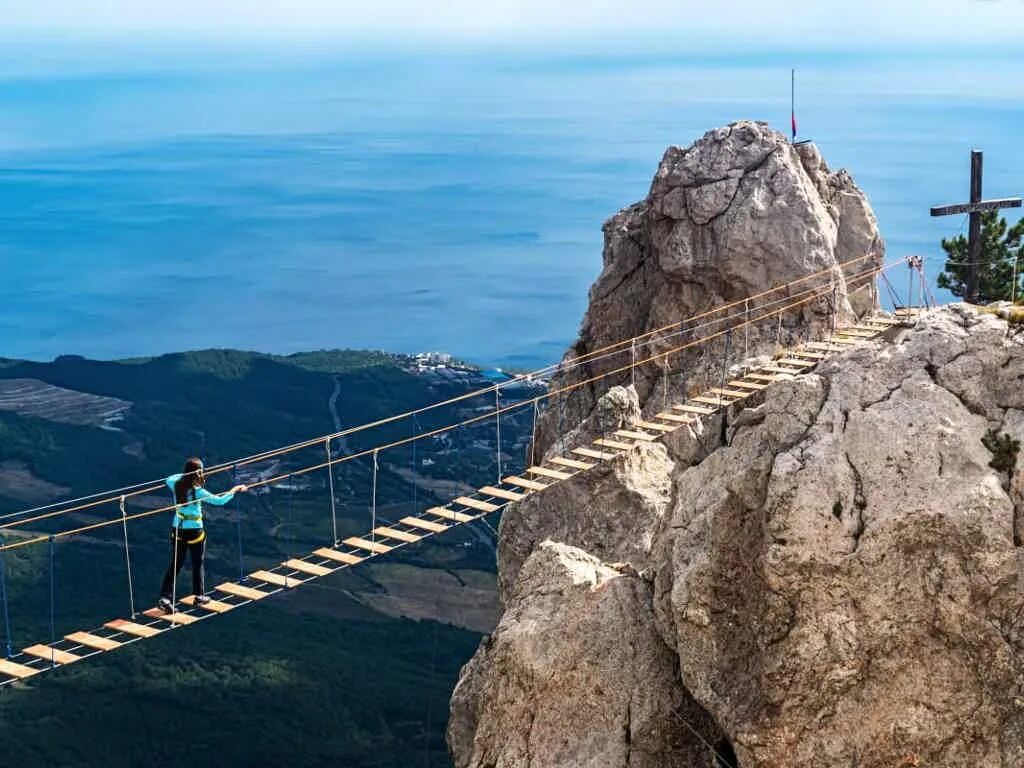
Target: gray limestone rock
738, 212
576, 676
830, 575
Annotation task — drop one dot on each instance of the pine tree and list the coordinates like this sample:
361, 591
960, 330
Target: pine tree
1001, 247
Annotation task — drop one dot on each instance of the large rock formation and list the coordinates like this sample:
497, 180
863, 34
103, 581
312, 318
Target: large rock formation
829, 576
738, 212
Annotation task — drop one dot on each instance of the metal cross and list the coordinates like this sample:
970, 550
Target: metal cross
975, 208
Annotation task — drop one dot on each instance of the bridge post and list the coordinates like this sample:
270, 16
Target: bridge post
3, 596
127, 557
330, 485
497, 425
53, 611
373, 504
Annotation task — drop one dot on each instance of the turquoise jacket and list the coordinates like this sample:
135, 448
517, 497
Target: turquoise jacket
190, 516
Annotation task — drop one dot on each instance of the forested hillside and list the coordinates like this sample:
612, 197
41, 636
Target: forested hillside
332, 674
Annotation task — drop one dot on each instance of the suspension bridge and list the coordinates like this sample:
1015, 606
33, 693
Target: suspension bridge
613, 364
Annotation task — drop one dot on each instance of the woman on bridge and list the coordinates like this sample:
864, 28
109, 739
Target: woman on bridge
187, 532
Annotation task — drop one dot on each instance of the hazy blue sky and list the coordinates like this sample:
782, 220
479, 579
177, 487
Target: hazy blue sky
811, 23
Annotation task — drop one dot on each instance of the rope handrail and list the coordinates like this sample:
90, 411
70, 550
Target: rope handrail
159, 486
138, 489
792, 303
680, 329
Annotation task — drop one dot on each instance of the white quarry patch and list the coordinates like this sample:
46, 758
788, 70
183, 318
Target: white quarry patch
31, 397
18, 482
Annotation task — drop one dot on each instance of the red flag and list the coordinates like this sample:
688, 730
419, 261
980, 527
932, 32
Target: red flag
792, 101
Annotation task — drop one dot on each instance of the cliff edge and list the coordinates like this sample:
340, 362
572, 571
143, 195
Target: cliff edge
830, 576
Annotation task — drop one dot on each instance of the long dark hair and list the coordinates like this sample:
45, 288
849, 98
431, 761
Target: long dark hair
191, 478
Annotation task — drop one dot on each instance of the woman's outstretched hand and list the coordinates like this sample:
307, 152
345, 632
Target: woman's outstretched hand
240, 489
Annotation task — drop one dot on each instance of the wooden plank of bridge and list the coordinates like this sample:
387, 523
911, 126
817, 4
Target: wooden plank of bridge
808, 354
93, 641
575, 463
174, 618
554, 474
53, 655
483, 506
772, 377
712, 401
426, 525
304, 567
500, 493
240, 590
214, 606
694, 409
19, 671
339, 557
605, 443
857, 332
747, 385
778, 369
633, 435
369, 546
131, 628
276, 579
656, 427
729, 393
674, 417
796, 363
590, 453
522, 482
392, 533
451, 514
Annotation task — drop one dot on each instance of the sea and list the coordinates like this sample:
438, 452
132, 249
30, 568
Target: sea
419, 200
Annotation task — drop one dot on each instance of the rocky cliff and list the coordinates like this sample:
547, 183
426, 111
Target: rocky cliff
738, 212
828, 576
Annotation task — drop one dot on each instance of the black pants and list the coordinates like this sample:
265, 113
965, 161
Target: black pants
192, 542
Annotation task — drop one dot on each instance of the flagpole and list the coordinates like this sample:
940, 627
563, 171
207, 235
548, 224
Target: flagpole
792, 101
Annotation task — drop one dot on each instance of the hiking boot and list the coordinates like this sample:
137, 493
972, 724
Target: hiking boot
165, 605
202, 599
